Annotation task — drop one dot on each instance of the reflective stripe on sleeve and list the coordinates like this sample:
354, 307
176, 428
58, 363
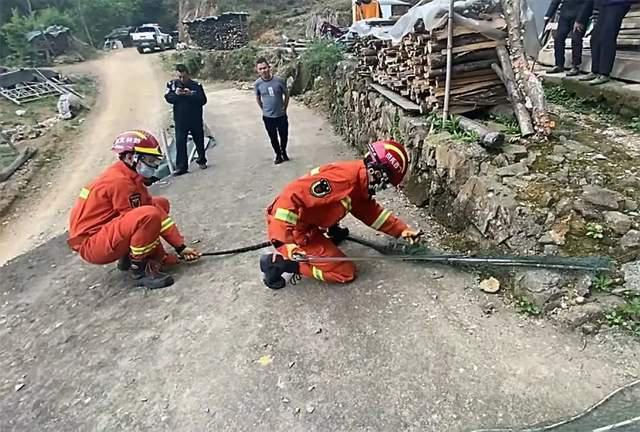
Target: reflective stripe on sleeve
381, 219
84, 193
166, 224
287, 216
317, 273
346, 202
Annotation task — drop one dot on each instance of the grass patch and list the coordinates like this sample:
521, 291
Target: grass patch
452, 126
525, 307
626, 317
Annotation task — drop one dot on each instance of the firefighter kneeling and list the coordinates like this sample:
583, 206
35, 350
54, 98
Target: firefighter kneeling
116, 219
304, 218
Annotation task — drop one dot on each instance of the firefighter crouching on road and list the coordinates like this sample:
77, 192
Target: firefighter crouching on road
116, 219
304, 218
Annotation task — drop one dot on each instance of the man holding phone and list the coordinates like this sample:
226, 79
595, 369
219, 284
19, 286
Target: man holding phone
187, 97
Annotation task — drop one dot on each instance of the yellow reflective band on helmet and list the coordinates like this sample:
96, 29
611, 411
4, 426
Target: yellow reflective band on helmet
84, 193
166, 224
382, 218
150, 151
287, 216
144, 249
315, 171
397, 150
317, 273
346, 202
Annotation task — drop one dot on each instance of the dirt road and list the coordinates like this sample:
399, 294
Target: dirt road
404, 348
131, 90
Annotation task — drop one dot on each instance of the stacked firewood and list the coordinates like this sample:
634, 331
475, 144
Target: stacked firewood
416, 68
629, 35
225, 32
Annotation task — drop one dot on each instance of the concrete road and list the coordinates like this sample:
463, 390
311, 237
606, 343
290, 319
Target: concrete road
404, 348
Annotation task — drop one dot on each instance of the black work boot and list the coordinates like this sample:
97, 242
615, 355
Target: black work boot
338, 234
285, 156
555, 70
148, 274
124, 263
278, 160
273, 266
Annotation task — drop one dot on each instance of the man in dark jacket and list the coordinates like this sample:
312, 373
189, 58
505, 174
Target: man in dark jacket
604, 36
567, 22
187, 97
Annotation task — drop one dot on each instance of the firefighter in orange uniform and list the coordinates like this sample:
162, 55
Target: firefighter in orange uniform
116, 219
304, 218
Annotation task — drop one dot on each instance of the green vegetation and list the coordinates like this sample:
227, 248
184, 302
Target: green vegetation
452, 126
321, 59
561, 96
90, 20
626, 317
525, 307
595, 231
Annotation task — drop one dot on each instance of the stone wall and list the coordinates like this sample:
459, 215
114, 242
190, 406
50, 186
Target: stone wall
456, 181
539, 197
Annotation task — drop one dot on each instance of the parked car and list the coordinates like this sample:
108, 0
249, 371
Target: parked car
152, 37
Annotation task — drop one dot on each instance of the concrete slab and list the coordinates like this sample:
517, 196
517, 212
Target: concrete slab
623, 98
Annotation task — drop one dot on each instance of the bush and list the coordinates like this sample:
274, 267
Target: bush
14, 32
191, 59
321, 58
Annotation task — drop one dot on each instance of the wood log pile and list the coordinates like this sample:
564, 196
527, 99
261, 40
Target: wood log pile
225, 32
416, 68
629, 36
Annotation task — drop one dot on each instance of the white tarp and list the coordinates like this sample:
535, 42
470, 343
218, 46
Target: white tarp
434, 15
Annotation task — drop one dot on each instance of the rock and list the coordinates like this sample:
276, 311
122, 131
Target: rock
560, 150
580, 300
632, 277
540, 287
609, 302
513, 170
546, 199
488, 309
587, 210
500, 161
602, 197
561, 176
310, 409
515, 150
491, 285
620, 223
583, 285
630, 204
564, 206
630, 240
551, 250
18, 387
590, 328
579, 315
555, 159
21, 113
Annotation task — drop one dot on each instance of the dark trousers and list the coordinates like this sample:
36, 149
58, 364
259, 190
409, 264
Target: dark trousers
604, 38
277, 126
565, 26
182, 132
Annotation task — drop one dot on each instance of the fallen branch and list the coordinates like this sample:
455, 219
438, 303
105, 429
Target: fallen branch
506, 75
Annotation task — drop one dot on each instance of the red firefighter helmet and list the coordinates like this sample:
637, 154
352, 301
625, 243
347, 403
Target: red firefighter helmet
137, 141
392, 157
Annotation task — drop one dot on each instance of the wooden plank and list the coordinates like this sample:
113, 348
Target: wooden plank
401, 101
628, 42
472, 47
470, 87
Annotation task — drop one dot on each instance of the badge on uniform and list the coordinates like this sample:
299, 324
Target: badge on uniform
321, 188
135, 200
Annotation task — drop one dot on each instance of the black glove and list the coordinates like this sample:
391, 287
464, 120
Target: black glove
149, 181
338, 234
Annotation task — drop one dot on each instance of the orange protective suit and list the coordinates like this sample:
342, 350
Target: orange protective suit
116, 215
308, 206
